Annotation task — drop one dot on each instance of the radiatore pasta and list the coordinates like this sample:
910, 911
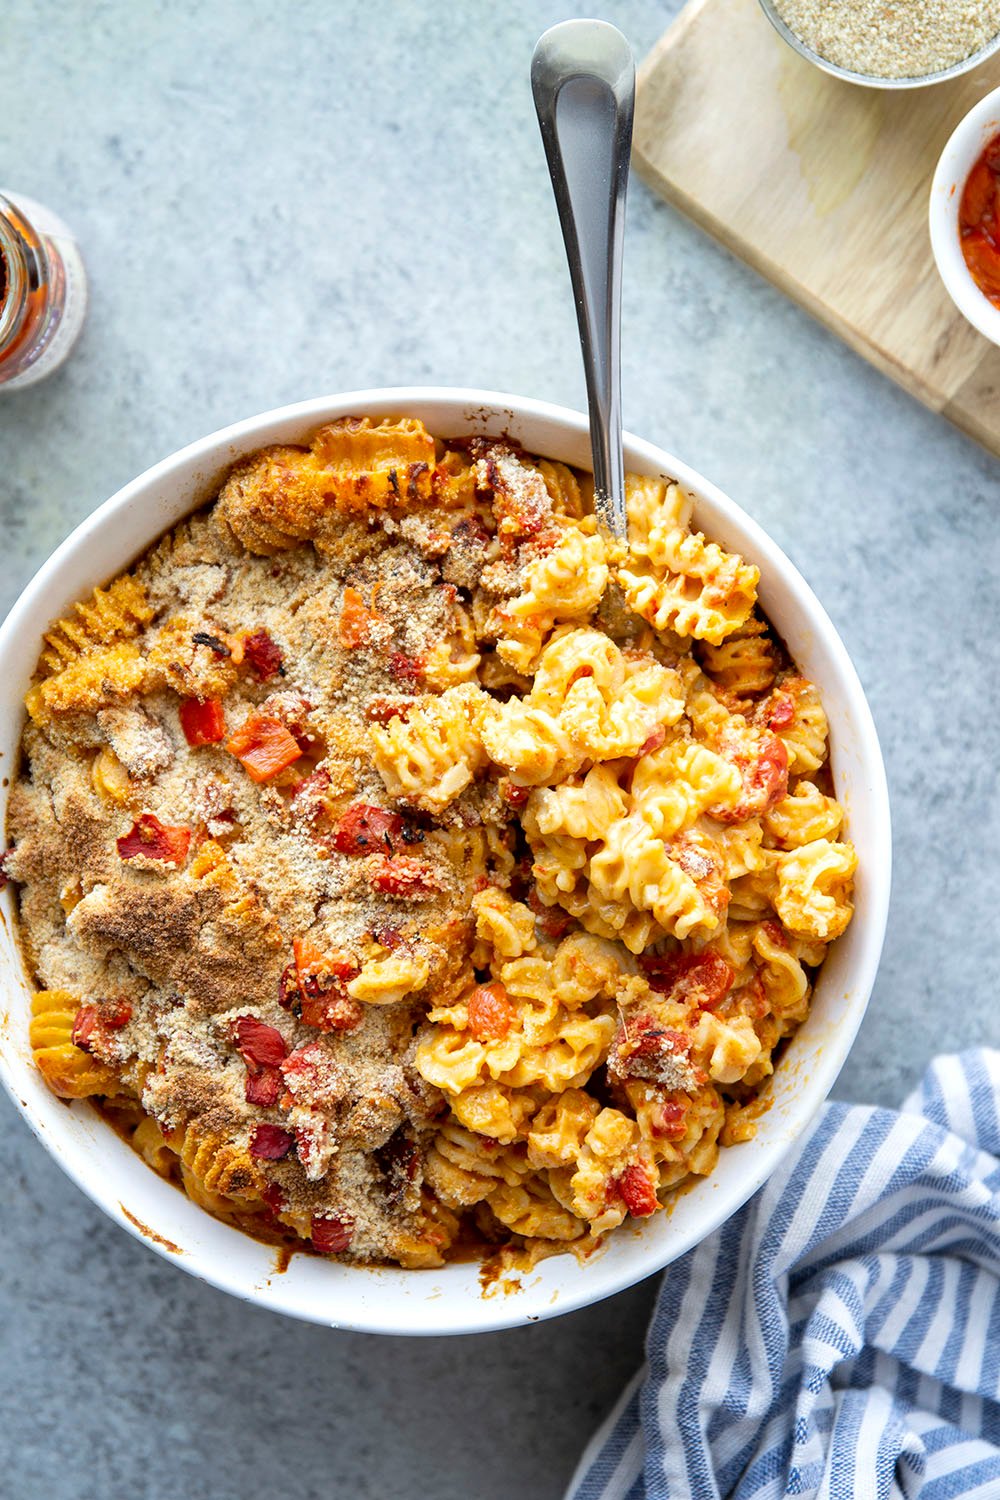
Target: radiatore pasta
405, 864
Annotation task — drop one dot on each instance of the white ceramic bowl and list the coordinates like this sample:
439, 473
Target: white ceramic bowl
969, 138
450, 1300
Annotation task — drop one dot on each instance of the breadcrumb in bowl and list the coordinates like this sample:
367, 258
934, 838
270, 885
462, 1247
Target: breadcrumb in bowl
901, 46
450, 1300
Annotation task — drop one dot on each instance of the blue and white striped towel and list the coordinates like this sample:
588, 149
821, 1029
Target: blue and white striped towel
840, 1337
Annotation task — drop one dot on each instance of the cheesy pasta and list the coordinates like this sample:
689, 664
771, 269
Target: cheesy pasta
403, 862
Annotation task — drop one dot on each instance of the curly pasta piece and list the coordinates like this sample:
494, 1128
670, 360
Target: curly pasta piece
149, 1141
805, 734
547, 1043
785, 982
745, 664
813, 898
587, 702
68, 1070
673, 786
565, 583
116, 613
564, 489
434, 753
578, 809
94, 681
676, 580
803, 816
559, 1129
507, 925
386, 981
610, 1145
218, 1164
463, 1169
495, 1111
283, 495
531, 1209
634, 865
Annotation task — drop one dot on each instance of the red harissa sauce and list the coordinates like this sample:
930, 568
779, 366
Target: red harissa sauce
979, 222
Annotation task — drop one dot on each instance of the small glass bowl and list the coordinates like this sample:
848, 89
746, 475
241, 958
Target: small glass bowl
871, 80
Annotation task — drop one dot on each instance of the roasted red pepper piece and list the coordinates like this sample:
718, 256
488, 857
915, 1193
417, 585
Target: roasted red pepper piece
264, 746
84, 1026
203, 721
637, 1191
106, 1015
702, 978
315, 987
263, 656
271, 1142
155, 840
403, 876
364, 828
668, 1119
489, 1012
406, 670
331, 1234
263, 1086
258, 1042
263, 1049
356, 620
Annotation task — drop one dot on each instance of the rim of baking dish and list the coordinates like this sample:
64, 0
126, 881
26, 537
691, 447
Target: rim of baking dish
451, 1300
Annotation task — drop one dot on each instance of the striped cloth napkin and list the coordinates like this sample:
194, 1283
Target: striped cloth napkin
839, 1338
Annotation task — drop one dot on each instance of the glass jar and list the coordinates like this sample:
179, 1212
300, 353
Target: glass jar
43, 291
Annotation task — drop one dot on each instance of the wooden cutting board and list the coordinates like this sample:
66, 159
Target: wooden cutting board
823, 187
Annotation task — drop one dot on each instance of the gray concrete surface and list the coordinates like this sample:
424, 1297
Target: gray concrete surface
278, 201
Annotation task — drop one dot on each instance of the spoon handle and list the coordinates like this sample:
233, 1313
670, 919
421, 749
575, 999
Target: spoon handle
583, 81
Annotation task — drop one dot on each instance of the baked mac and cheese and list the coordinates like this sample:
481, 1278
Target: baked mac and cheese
404, 863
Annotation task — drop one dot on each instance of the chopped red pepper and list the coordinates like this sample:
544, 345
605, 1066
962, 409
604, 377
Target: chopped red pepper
332, 1234
107, 1015
84, 1026
702, 978
782, 711
668, 1119
316, 987
552, 922
401, 875
490, 1012
271, 1142
203, 721
263, 656
156, 840
655, 740
114, 1014
356, 620
332, 1010
263, 1049
273, 1197
364, 828
765, 781
637, 1191
406, 670
259, 1042
264, 746
382, 709
263, 1085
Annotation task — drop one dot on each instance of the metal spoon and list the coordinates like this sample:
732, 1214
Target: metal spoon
583, 81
